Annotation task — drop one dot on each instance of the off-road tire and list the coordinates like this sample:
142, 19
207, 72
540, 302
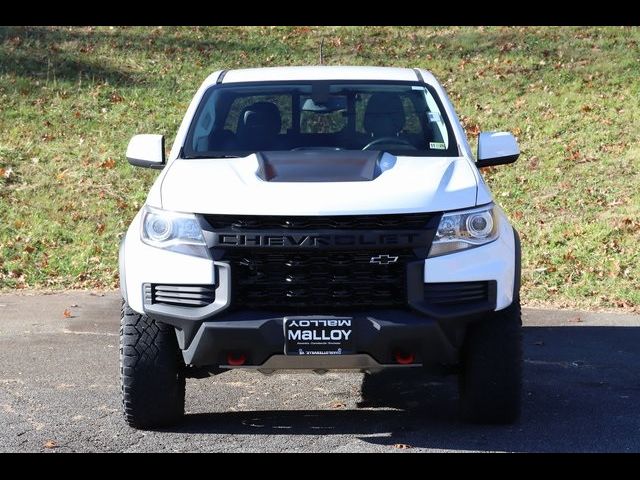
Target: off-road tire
151, 372
490, 380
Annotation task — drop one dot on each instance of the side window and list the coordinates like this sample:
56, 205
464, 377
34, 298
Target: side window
435, 121
283, 102
361, 104
204, 126
412, 122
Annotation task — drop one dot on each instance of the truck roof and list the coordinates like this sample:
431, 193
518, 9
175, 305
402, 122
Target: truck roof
321, 73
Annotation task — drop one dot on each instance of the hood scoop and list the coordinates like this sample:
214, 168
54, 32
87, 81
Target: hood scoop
323, 165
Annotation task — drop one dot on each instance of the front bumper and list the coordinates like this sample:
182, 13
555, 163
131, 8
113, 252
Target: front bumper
207, 335
377, 336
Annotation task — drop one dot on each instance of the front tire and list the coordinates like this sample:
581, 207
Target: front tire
151, 372
490, 381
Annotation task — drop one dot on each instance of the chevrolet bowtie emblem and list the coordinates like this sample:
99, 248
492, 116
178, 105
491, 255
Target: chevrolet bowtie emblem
383, 259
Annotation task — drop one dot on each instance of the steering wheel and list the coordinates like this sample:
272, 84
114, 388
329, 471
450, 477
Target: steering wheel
392, 140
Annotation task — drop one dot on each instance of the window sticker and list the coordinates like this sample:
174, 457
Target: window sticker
434, 117
437, 146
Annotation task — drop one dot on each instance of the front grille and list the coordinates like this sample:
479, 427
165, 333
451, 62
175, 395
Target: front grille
317, 279
181, 295
341, 222
446, 294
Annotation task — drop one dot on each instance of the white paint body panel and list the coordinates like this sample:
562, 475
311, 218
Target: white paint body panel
146, 147
145, 263
494, 261
231, 186
497, 144
319, 73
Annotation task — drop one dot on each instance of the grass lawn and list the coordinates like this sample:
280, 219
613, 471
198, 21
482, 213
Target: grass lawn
70, 99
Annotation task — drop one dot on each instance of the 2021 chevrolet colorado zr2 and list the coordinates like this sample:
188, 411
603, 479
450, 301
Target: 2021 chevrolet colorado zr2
320, 218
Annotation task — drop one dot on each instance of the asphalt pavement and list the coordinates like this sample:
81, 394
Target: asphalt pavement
59, 392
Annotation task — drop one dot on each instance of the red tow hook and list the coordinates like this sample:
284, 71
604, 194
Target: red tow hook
405, 358
236, 360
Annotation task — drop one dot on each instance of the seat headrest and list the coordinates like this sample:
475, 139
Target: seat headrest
384, 115
261, 118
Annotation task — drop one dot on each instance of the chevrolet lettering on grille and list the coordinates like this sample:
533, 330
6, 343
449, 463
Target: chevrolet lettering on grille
306, 240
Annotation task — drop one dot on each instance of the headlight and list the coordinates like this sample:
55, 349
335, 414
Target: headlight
465, 229
178, 232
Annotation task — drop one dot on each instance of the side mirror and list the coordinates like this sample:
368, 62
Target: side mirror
496, 148
146, 151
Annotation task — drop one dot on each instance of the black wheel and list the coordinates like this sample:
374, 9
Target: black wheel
491, 368
151, 372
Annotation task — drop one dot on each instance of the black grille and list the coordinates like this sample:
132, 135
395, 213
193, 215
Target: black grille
318, 279
343, 222
182, 295
456, 292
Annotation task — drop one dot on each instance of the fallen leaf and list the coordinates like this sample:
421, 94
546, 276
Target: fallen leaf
50, 444
473, 129
2, 172
100, 228
338, 405
401, 446
507, 47
108, 163
115, 98
29, 249
67, 313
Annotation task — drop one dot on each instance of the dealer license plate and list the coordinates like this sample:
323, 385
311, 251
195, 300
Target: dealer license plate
318, 335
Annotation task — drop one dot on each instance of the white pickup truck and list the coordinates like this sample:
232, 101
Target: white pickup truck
320, 218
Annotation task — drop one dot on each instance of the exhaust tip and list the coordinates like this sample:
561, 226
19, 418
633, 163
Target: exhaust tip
236, 359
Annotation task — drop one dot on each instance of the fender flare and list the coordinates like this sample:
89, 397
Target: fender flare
518, 265
122, 275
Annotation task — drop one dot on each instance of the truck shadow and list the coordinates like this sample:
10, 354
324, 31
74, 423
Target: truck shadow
581, 391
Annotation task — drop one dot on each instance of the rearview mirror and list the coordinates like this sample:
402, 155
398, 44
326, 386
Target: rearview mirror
332, 104
496, 148
146, 151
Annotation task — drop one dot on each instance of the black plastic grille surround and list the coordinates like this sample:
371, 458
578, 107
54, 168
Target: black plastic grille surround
454, 293
318, 279
406, 221
180, 295
321, 278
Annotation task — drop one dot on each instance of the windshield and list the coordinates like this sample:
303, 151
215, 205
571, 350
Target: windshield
400, 118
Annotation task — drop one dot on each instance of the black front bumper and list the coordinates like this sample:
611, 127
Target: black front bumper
258, 336
431, 327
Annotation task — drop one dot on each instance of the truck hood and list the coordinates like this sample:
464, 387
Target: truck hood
281, 185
